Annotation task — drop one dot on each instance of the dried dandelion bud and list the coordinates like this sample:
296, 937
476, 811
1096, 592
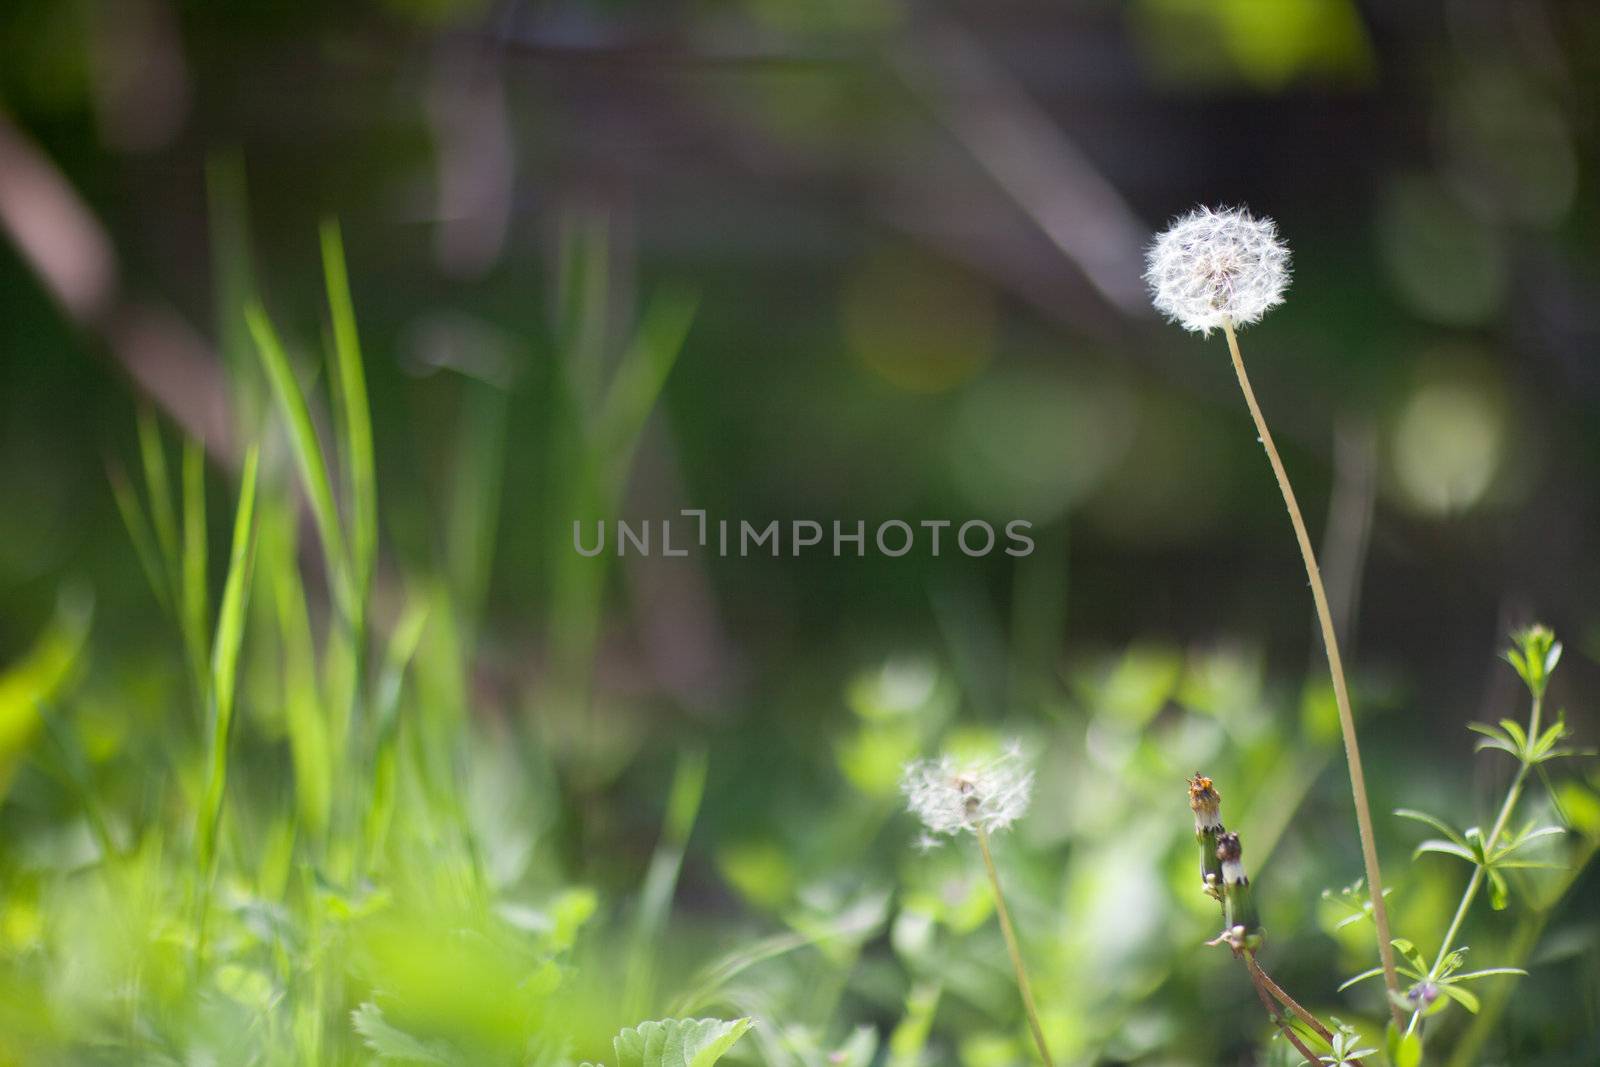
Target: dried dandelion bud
1239, 907
951, 797
1216, 266
1206, 803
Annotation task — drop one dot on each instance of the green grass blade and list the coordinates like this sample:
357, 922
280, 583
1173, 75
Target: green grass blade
228, 224
475, 506
139, 533
225, 659
158, 488
661, 881
355, 415
193, 619
397, 661
308, 452
309, 745
639, 380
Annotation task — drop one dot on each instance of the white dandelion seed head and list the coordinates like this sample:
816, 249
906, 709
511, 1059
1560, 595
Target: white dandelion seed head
1214, 265
952, 796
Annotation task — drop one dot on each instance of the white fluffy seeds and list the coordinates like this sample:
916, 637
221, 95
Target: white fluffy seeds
1215, 265
951, 796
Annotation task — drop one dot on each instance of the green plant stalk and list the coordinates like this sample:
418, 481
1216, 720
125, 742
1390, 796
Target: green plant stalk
1010, 935
1468, 895
1330, 642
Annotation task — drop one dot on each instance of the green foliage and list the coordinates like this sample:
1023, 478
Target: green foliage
1533, 654
678, 1042
389, 835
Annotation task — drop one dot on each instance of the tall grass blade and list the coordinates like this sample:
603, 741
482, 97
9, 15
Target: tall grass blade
228, 220
639, 380
192, 619
402, 648
309, 456
225, 661
144, 544
355, 417
661, 881
309, 745
158, 487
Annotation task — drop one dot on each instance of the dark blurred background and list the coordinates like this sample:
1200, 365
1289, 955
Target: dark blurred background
912, 235
915, 232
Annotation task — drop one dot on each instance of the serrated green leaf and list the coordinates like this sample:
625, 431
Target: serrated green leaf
678, 1042
390, 1042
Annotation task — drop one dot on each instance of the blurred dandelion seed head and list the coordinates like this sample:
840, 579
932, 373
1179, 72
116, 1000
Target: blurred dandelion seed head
951, 796
1214, 265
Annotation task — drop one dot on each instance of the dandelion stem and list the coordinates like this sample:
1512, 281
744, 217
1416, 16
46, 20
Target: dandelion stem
1330, 642
1283, 1025
1011, 946
1261, 975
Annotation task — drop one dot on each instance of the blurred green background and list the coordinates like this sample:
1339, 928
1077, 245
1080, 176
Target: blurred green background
867, 260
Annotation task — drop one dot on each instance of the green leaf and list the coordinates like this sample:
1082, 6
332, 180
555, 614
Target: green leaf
1460, 996
1499, 893
1405, 1050
1362, 977
678, 1042
1430, 820
1514, 730
1547, 740
390, 1042
1470, 976
1445, 848
1411, 955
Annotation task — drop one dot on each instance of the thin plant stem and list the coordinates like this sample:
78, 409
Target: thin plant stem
1284, 1026
1012, 947
1260, 974
1470, 893
1330, 643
